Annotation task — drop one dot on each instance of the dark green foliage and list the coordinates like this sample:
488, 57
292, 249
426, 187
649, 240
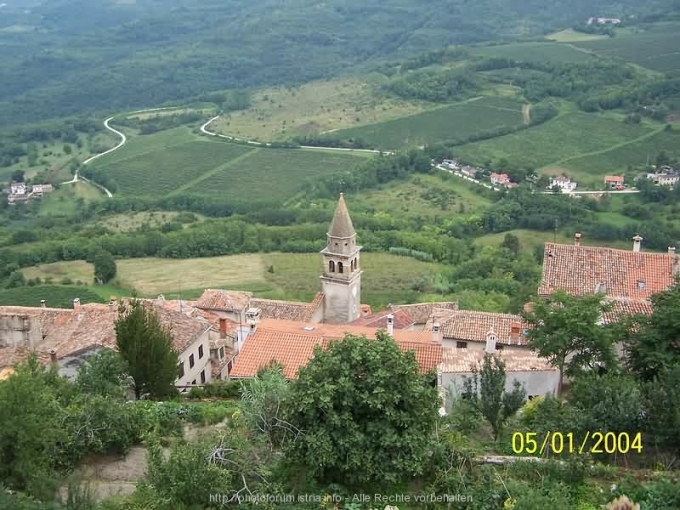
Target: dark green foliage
55, 296
364, 411
104, 267
147, 348
486, 391
104, 374
662, 401
219, 389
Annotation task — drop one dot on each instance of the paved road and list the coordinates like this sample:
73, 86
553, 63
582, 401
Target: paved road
260, 144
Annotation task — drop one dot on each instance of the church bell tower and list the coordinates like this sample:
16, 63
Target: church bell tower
341, 277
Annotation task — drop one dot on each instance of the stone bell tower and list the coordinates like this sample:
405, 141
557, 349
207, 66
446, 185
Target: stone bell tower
341, 277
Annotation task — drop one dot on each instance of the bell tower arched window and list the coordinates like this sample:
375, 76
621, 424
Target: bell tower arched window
340, 267
331, 266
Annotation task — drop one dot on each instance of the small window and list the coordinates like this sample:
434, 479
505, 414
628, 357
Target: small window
193, 382
200, 351
641, 284
191, 361
181, 369
340, 267
221, 352
202, 376
461, 345
331, 266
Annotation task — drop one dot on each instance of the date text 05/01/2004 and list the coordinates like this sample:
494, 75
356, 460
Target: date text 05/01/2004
531, 443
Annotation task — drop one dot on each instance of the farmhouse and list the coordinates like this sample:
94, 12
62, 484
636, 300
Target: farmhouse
664, 178
18, 192
476, 331
564, 183
501, 180
613, 181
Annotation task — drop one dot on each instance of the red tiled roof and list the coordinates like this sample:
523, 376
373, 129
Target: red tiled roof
624, 307
287, 310
422, 312
582, 270
464, 360
467, 325
613, 178
292, 345
223, 300
402, 319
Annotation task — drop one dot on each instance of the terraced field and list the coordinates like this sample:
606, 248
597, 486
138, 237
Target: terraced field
450, 122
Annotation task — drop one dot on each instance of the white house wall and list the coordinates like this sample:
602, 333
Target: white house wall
536, 383
199, 364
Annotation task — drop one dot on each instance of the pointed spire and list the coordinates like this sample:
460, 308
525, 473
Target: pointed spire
341, 226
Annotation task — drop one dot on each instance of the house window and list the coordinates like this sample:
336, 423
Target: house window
221, 352
181, 369
331, 266
191, 361
193, 382
461, 345
200, 351
340, 267
202, 376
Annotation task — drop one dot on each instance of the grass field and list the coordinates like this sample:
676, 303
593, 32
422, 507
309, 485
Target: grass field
55, 296
569, 35
560, 140
535, 52
314, 108
135, 221
450, 122
64, 200
424, 196
530, 239
164, 170
387, 278
636, 153
656, 48
267, 174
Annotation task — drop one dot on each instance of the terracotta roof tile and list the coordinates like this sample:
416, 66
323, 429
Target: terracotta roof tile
422, 312
582, 270
463, 360
223, 300
287, 310
624, 307
292, 344
402, 319
467, 325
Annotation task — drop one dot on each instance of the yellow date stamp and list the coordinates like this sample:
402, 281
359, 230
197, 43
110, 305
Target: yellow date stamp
533, 443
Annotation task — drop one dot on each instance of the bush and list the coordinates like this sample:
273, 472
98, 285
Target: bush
221, 389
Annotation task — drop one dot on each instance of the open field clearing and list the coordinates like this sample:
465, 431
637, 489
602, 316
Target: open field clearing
567, 136
313, 108
159, 172
569, 35
387, 278
166, 113
154, 220
424, 196
65, 199
530, 239
658, 48
445, 123
268, 175
535, 52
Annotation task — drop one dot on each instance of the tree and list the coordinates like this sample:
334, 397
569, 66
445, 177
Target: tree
653, 343
566, 330
18, 176
67, 149
147, 348
104, 267
364, 410
104, 374
511, 243
486, 390
662, 402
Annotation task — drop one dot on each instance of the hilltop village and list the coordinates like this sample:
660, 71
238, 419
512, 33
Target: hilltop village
231, 334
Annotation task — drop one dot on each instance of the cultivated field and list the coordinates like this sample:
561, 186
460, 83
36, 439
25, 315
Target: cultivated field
267, 175
135, 221
387, 278
445, 123
56, 296
314, 108
423, 196
159, 172
635, 153
655, 49
535, 52
569, 35
556, 142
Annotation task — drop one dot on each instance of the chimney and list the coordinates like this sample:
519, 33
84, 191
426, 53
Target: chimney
253, 326
223, 328
390, 324
515, 332
76, 304
490, 342
636, 243
436, 333
43, 303
671, 250
112, 305
577, 239
53, 357
160, 300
